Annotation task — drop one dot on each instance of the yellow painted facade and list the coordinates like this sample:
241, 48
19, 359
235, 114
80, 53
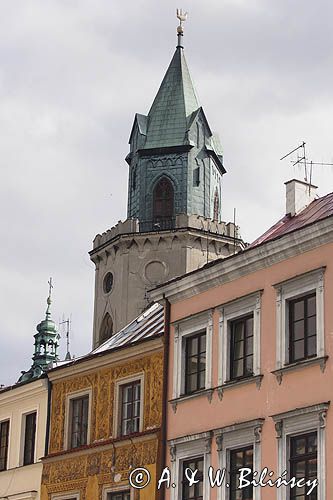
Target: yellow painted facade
104, 465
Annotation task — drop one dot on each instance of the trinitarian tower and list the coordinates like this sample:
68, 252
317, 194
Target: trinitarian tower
174, 204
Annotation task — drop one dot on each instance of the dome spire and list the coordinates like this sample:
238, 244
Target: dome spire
46, 344
48, 300
182, 16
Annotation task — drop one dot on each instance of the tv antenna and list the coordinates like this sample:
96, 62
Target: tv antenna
67, 322
303, 160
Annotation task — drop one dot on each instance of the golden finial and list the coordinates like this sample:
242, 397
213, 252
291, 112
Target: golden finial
182, 16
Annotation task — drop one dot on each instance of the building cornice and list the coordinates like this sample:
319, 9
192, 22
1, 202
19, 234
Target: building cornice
125, 239
97, 361
246, 262
18, 392
97, 446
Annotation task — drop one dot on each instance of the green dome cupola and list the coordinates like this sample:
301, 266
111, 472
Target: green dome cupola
46, 345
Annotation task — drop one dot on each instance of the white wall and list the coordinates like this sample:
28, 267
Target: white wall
23, 481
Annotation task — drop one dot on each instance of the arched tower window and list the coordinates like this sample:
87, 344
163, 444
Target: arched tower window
163, 201
216, 205
106, 329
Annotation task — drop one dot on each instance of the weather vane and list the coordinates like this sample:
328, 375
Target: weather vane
50, 287
182, 16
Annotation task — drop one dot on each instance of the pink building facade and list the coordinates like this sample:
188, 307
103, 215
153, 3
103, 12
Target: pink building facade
250, 364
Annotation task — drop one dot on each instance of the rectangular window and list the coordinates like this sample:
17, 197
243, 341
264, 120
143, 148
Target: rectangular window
302, 328
195, 359
194, 492
119, 495
241, 347
78, 433
4, 442
130, 408
240, 458
29, 439
303, 464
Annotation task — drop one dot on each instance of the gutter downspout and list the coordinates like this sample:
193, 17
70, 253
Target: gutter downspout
163, 451
48, 418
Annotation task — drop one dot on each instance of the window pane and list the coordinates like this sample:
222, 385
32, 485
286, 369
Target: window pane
249, 326
29, 439
239, 328
239, 350
192, 382
249, 365
192, 365
312, 443
202, 378
311, 306
311, 325
298, 310
249, 345
298, 350
299, 448
130, 408
202, 362
238, 369
312, 346
193, 346
195, 362
298, 330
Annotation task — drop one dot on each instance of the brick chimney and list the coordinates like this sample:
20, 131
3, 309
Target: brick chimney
299, 194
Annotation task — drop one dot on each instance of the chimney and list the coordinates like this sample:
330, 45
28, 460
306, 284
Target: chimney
299, 194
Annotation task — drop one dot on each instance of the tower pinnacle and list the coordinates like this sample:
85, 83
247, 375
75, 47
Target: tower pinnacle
182, 16
46, 344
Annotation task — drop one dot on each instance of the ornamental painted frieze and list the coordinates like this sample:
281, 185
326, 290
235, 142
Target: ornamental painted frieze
102, 384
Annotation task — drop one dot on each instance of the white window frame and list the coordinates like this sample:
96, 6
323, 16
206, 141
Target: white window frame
70, 495
186, 448
117, 401
296, 422
69, 398
238, 436
117, 489
232, 311
182, 330
298, 286
23, 427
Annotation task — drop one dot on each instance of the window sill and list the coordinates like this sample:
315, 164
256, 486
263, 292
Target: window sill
298, 365
184, 397
241, 381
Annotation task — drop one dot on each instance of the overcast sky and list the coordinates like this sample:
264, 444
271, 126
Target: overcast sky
72, 75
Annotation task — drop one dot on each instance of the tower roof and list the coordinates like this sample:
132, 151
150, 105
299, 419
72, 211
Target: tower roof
46, 345
176, 100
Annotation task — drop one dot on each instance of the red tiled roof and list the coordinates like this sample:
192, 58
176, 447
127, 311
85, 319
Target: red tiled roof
317, 210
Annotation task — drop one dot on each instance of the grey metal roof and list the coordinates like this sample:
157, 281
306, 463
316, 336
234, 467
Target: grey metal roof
148, 325
176, 100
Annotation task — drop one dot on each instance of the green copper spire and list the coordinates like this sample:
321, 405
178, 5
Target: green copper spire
176, 100
175, 159
46, 344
